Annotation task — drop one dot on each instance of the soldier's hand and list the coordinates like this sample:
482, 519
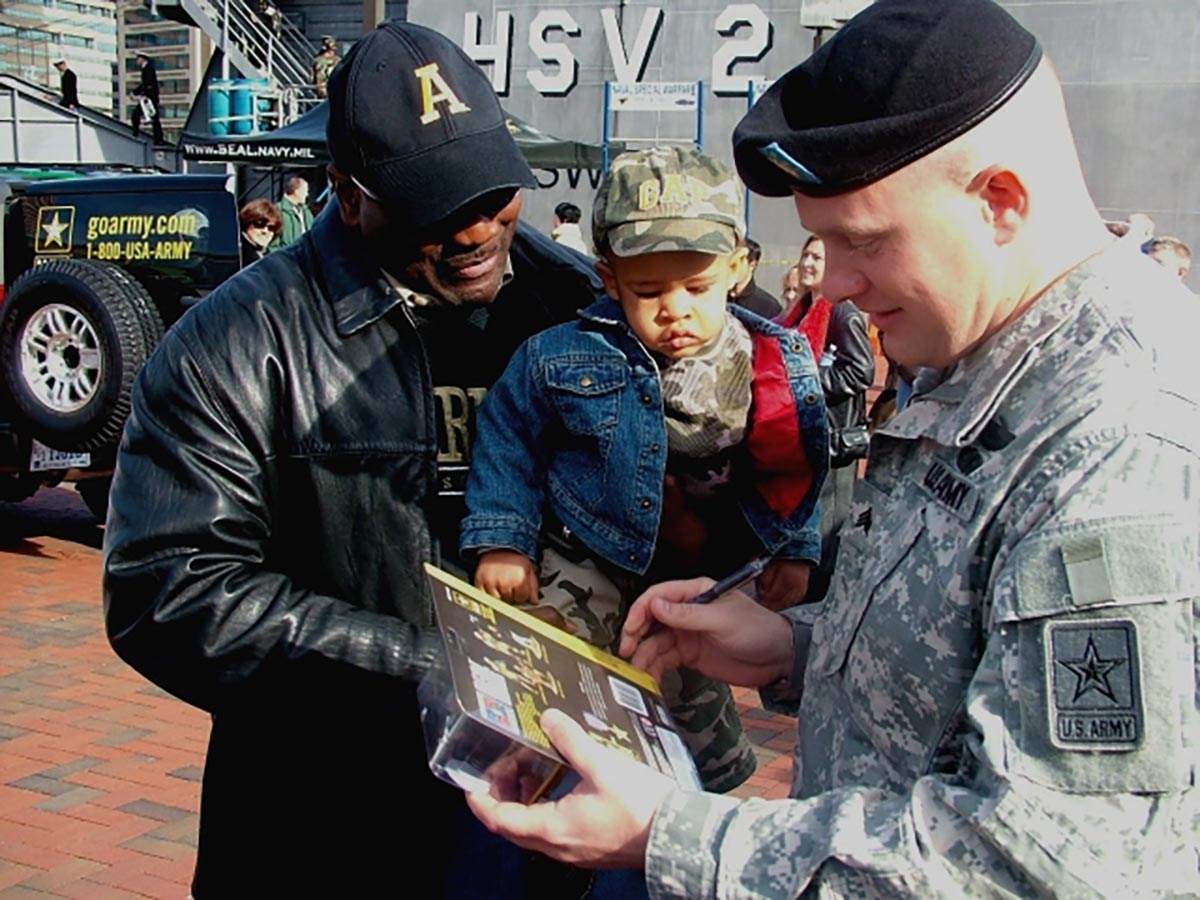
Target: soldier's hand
507, 575
732, 639
784, 583
603, 823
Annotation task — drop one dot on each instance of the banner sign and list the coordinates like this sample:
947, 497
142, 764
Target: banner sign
656, 96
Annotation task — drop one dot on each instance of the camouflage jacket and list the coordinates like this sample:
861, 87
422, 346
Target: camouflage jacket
1000, 696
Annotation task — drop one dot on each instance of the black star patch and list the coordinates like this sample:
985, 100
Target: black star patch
1093, 685
1092, 672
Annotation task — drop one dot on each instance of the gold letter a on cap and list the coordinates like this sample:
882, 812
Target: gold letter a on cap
431, 78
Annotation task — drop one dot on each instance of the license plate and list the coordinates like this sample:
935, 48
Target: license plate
43, 458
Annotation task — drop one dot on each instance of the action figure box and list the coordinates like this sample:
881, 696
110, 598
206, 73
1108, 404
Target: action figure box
482, 703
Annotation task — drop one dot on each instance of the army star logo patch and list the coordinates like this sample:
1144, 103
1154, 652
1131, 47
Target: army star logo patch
1093, 685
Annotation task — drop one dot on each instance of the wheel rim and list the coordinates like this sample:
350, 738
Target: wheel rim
61, 362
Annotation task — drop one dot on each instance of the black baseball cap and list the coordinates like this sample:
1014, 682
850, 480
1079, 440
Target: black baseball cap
416, 122
899, 80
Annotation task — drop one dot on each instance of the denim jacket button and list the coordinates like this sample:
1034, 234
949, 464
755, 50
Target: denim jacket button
810, 399
646, 504
654, 448
585, 381
647, 399
633, 557
797, 347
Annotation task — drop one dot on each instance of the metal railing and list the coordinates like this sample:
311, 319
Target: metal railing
273, 47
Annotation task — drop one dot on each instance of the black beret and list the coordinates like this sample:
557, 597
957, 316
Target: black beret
899, 80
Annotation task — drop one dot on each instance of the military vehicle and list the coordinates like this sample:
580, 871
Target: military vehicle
93, 269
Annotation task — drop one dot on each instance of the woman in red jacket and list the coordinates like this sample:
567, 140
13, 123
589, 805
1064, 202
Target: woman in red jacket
837, 333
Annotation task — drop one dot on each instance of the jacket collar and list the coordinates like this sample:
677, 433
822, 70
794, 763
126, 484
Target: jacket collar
953, 406
607, 311
353, 282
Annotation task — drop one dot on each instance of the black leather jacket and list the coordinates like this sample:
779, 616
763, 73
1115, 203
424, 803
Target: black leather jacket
852, 373
269, 518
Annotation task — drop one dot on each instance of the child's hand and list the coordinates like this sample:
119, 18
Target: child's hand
508, 575
783, 583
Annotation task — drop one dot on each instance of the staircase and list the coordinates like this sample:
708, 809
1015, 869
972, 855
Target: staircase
271, 48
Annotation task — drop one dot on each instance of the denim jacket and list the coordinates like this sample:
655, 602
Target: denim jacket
577, 422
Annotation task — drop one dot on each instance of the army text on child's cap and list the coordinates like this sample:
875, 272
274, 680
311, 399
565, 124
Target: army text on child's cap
668, 198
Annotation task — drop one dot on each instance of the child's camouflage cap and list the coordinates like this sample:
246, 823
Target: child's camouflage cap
668, 198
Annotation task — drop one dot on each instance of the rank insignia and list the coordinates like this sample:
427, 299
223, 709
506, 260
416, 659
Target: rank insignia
1093, 685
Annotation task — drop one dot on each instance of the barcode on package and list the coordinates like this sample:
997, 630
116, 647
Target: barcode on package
627, 695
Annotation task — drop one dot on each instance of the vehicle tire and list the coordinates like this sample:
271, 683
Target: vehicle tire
18, 487
94, 492
152, 323
71, 342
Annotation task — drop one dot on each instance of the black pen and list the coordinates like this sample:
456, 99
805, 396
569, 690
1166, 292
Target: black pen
735, 579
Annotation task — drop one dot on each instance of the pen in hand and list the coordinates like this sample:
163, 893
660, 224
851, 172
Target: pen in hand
733, 580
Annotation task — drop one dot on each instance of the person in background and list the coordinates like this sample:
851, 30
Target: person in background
297, 217
567, 230
802, 282
146, 99
323, 64
747, 293
261, 223
790, 290
1173, 254
68, 85
998, 696
839, 337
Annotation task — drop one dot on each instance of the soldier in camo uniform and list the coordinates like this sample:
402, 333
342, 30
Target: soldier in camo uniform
999, 695
565, 494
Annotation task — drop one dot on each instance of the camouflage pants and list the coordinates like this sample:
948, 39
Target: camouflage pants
595, 602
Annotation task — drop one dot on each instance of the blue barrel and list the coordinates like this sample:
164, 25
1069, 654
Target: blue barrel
241, 107
218, 105
259, 88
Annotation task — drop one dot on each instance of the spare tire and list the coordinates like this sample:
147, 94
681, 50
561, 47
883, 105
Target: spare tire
71, 342
143, 303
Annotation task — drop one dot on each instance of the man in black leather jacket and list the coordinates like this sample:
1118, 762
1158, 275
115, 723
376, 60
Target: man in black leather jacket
294, 454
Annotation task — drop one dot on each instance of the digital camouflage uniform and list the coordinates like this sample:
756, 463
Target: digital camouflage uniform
323, 65
999, 697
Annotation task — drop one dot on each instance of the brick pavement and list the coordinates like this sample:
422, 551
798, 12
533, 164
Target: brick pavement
99, 769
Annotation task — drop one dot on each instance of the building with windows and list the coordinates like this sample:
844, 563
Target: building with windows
34, 33
180, 55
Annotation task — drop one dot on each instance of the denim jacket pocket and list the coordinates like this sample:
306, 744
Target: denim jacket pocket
587, 393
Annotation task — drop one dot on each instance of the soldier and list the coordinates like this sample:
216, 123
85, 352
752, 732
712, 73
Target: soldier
998, 697
69, 84
324, 63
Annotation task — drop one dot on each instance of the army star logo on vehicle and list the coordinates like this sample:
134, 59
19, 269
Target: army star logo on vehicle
1093, 685
55, 226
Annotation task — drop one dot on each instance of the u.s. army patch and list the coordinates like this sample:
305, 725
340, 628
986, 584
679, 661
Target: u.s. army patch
1093, 685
